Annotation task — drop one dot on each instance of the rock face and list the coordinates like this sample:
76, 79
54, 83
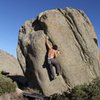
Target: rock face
12, 96
74, 34
9, 64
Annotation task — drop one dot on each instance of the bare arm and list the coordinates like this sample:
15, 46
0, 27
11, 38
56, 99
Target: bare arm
47, 43
57, 53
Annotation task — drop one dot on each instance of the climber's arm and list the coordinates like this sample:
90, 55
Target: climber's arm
57, 53
47, 43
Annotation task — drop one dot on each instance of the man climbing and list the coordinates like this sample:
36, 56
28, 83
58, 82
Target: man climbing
52, 54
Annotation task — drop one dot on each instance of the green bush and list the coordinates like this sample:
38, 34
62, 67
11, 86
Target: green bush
89, 91
77, 93
59, 97
6, 85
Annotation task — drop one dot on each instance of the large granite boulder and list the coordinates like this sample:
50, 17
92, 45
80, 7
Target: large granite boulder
9, 64
74, 34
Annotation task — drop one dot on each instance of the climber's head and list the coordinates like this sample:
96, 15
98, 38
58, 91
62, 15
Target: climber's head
55, 47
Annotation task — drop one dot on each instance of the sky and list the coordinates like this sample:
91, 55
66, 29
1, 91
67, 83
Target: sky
13, 14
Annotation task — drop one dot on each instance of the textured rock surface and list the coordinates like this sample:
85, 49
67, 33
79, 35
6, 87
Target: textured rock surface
12, 96
74, 34
9, 64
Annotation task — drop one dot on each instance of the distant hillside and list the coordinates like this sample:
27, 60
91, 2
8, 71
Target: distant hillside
9, 64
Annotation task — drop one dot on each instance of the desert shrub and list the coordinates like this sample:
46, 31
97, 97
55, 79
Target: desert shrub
6, 85
89, 91
77, 93
59, 97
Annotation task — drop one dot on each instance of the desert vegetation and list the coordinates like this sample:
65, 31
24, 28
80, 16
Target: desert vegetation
89, 91
6, 85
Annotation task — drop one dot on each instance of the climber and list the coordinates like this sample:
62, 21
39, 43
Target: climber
52, 54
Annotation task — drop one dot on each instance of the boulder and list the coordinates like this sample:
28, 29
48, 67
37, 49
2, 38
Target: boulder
9, 64
74, 34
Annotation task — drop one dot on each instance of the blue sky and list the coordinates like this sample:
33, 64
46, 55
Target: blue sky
13, 13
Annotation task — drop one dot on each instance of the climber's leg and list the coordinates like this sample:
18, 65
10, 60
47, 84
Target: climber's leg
57, 66
51, 69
